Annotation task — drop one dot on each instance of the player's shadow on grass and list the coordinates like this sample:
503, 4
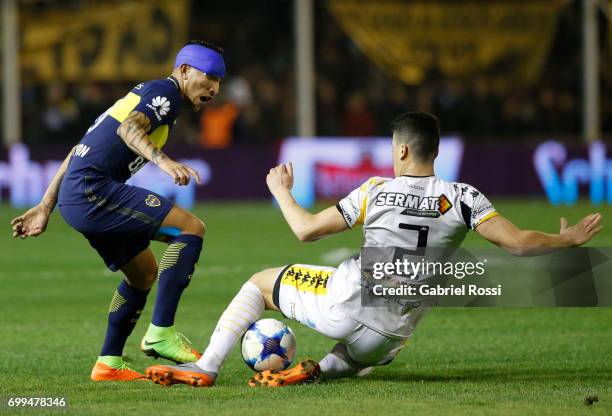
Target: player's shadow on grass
475, 375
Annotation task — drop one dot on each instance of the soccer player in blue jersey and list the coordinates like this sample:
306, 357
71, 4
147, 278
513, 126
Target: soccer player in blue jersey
120, 220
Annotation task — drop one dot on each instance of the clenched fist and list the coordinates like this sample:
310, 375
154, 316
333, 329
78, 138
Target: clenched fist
280, 178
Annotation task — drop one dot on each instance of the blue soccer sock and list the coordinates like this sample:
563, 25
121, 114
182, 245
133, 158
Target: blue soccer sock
123, 313
174, 274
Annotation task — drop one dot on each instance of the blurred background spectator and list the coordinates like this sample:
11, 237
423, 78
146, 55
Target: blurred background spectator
353, 96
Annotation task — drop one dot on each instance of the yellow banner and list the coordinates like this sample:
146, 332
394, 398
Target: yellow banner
130, 40
458, 39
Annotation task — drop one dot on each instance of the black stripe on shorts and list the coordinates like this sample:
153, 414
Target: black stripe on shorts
276, 290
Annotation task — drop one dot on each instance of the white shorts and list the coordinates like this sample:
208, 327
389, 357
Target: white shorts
301, 293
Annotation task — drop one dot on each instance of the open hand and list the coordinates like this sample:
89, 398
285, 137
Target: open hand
179, 172
32, 223
584, 229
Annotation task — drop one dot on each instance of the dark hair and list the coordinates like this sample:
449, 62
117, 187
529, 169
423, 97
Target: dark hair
420, 131
206, 44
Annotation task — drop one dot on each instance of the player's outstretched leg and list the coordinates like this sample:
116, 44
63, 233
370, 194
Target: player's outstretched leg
125, 308
184, 233
361, 350
246, 307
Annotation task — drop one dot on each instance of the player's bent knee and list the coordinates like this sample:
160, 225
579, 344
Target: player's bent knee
264, 281
201, 228
256, 279
194, 226
184, 222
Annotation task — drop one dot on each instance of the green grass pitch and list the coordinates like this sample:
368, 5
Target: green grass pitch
55, 291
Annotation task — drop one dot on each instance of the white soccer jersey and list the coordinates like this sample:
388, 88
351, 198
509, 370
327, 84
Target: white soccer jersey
410, 211
407, 212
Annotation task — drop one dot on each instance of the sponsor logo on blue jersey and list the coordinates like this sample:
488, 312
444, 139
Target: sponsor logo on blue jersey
160, 106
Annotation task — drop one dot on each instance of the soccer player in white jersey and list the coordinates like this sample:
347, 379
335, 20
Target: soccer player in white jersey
414, 209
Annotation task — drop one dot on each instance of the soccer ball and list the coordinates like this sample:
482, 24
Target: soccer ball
268, 344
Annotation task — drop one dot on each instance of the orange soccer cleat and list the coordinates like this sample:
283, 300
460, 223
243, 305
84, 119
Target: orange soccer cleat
104, 372
188, 373
305, 372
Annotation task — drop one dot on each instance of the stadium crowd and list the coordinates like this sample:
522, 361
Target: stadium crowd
354, 98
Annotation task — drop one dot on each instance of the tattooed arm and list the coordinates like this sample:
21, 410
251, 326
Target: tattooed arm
133, 130
34, 221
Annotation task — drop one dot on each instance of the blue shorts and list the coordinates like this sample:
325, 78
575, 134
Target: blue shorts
119, 220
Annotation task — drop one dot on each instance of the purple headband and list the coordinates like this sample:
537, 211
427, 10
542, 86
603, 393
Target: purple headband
201, 58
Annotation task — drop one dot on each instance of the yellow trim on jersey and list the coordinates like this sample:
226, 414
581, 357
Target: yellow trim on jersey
362, 212
159, 136
307, 279
487, 218
364, 202
123, 107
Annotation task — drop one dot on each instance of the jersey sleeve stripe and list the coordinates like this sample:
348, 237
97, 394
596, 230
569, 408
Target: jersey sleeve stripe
487, 218
123, 107
362, 212
364, 203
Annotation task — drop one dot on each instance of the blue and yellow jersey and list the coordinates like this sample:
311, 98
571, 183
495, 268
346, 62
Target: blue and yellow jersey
101, 153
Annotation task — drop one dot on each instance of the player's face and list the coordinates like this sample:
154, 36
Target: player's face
199, 87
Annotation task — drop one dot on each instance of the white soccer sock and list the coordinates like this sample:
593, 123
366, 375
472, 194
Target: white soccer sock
246, 308
337, 364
